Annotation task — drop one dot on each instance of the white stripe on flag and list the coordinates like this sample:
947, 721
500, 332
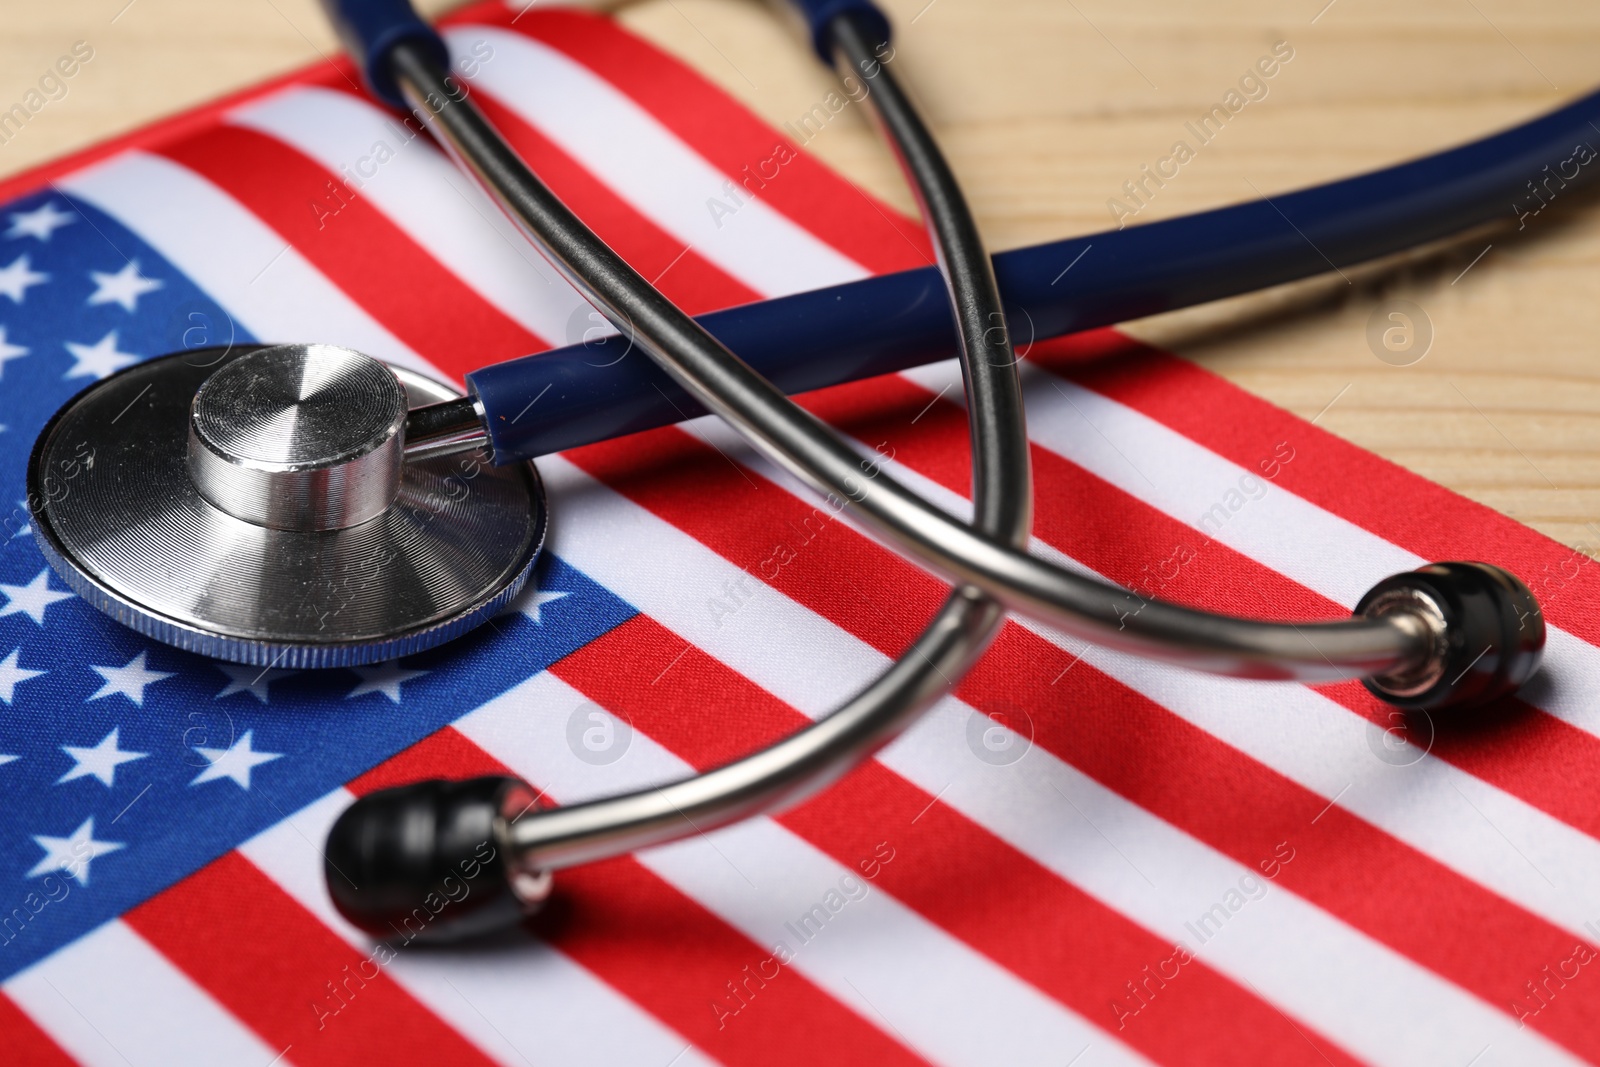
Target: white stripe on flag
425, 195
883, 960
109, 998
525, 1002
276, 293
647, 165
1362, 994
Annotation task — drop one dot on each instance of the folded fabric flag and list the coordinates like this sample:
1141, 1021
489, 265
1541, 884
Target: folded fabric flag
1077, 858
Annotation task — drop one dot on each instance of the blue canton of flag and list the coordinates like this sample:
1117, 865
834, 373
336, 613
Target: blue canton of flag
127, 764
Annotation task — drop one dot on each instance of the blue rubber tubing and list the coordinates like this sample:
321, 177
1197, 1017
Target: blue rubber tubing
594, 391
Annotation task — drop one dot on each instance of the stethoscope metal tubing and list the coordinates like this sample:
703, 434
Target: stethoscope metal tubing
779, 776
974, 295
813, 758
445, 429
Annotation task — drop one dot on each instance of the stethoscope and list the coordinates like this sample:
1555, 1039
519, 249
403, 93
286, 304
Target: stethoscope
305, 505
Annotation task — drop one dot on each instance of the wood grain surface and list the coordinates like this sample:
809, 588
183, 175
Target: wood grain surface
1046, 107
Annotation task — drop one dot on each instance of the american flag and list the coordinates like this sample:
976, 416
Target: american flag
1077, 858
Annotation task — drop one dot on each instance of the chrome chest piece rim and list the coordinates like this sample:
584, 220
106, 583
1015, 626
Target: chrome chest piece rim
254, 505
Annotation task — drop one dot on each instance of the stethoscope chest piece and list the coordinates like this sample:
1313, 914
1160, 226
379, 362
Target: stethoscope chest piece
256, 505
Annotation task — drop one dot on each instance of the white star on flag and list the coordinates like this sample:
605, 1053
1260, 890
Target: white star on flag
247, 679
31, 599
9, 351
41, 222
72, 854
11, 675
385, 679
18, 276
129, 680
235, 761
101, 761
124, 287
99, 360
530, 602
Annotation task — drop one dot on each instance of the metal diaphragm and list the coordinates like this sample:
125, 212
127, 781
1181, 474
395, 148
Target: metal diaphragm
117, 513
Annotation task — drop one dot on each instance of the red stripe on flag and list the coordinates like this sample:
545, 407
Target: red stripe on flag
25, 1044
1188, 777
943, 865
1515, 747
731, 138
665, 951
360, 249
1355, 484
291, 979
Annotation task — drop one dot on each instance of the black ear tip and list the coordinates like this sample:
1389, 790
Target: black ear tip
432, 861
1492, 634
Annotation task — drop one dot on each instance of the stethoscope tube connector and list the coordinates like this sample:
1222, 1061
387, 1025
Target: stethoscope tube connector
1488, 635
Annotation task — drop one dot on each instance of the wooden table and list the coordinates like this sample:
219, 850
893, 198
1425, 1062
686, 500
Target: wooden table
1046, 108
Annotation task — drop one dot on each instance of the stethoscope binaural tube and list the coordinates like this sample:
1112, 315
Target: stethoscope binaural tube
1401, 644
1448, 635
